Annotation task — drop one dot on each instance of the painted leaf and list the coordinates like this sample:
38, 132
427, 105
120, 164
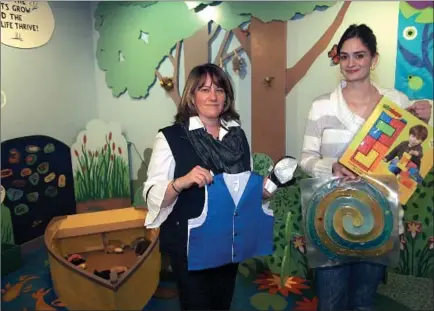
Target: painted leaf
243, 270
288, 225
426, 16
286, 265
415, 217
142, 4
130, 59
407, 10
235, 13
424, 236
250, 263
411, 58
265, 301
261, 163
198, 5
7, 231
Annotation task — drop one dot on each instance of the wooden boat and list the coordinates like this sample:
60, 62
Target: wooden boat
88, 236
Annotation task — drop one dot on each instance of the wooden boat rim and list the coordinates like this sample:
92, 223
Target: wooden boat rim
103, 282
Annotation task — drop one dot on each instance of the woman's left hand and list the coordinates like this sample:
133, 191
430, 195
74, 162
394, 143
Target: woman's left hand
421, 109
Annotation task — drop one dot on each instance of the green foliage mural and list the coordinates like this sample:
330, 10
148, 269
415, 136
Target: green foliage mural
135, 37
234, 13
101, 174
417, 244
286, 270
134, 40
7, 230
424, 12
101, 168
288, 259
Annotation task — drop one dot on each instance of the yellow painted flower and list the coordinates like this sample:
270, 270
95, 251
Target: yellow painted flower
299, 243
414, 227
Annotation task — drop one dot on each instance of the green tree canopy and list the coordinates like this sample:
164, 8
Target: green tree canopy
129, 60
135, 37
232, 14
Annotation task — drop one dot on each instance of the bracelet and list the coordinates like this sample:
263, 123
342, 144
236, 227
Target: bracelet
173, 186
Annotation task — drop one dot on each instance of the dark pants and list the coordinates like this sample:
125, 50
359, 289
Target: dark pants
210, 289
393, 167
348, 287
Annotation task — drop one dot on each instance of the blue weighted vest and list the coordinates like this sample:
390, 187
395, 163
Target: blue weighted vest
232, 227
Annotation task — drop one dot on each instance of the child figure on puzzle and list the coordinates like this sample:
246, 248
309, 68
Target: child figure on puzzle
413, 147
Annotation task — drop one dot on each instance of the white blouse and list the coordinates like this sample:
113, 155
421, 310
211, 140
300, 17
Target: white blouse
161, 172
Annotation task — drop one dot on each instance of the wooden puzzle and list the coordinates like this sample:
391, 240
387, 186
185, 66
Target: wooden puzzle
392, 141
377, 141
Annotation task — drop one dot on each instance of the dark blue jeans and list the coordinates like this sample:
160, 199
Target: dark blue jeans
348, 287
393, 167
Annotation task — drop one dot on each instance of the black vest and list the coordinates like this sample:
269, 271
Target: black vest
173, 231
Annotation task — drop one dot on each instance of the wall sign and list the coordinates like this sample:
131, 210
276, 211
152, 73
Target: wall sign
26, 24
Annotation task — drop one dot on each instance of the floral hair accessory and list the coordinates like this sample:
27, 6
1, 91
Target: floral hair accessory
333, 55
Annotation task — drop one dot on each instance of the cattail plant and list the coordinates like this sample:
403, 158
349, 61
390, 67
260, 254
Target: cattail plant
101, 173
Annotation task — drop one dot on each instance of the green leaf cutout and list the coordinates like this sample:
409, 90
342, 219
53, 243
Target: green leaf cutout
243, 270
426, 16
288, 226
286, 265
406, 9
263, 301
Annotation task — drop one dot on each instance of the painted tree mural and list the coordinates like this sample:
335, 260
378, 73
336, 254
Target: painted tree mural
264, 41
135, 38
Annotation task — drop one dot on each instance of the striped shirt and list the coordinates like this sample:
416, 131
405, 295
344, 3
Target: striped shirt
330, 127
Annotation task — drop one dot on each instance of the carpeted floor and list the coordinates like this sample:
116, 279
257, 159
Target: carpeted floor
30, 288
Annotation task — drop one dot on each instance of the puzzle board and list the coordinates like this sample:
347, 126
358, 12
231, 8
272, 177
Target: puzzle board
392, 141
36, 174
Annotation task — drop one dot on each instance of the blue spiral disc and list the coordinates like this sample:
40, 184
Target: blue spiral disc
347, 220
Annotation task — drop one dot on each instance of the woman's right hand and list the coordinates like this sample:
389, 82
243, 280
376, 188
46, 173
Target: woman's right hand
341, 171
197, 175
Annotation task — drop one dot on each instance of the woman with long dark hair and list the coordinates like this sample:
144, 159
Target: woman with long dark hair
333, 121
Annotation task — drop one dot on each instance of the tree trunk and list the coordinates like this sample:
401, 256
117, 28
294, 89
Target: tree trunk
299, 70
195, 50
268, 59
